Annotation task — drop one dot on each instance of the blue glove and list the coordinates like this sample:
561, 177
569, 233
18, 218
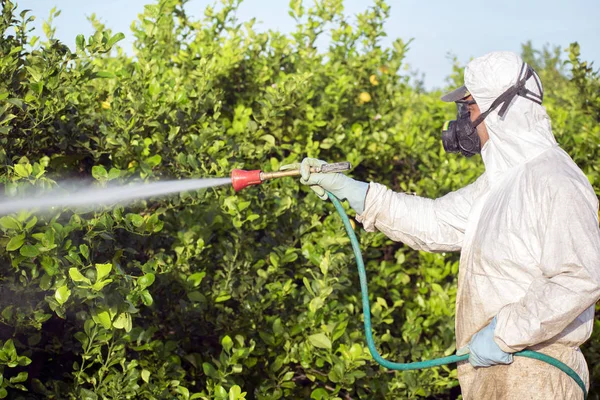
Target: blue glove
341, 186
484, 352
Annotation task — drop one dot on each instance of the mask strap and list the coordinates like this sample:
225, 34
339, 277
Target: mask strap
517, 90
528, 94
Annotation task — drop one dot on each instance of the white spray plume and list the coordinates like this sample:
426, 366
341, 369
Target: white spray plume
100, 196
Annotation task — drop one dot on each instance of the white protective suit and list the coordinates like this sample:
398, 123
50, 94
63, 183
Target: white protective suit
529, 239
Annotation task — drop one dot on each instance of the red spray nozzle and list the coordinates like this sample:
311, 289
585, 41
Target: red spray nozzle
241, 178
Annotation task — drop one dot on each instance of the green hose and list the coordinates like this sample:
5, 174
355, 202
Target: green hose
428, 363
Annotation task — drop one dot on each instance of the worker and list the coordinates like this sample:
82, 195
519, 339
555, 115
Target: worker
527, 230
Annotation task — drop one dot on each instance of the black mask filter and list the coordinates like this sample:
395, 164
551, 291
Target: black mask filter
460, 135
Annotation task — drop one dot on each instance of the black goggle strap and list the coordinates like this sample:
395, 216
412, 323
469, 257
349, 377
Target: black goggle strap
528, 94
517, 90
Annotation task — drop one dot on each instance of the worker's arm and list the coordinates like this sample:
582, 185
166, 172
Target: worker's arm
422, 223
570, 263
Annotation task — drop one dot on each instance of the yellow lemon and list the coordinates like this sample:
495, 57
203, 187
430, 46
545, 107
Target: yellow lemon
364, 97
105, 105
373, 80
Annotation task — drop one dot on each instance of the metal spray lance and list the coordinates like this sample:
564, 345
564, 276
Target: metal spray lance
241, 178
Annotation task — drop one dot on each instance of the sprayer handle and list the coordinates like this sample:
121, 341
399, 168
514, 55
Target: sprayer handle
333, 167
324, 169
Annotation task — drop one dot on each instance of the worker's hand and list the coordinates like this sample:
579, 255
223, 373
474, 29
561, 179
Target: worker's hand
338, 184
304, 168
483, 350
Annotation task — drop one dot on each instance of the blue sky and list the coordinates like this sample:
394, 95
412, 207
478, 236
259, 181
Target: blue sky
439, 28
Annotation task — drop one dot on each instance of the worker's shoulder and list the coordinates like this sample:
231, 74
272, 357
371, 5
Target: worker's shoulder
556, 172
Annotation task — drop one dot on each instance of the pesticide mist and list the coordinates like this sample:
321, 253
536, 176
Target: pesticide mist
97, 196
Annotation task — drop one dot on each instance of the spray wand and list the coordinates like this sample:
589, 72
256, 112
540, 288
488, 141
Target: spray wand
241, 178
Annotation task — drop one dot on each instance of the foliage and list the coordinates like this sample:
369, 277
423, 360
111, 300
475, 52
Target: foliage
213, 294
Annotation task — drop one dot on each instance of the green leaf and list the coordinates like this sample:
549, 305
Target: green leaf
242, 205
62, 294
339, 330
320, 340
315, 304
15, 102
29, 251
278, 327
37, 87
227, 343
9, 222
15, 242
146, 298
105, 74
336, 374
319, 394
21, 377
116, 38
195, 296
80, 42
269, 139
86, 394
114, 173
104, 319
102, 270
221, 393
49, 265
210, 371
35, 73
7, 313
99, 285
24, 361
45, 282
308, 287
76, 276
99, 172
123, 321
146, 375
88, 325
154, 160
222, 297
85, 251
21, 170
146, 280
31, 223
235, 392
185, 392
196, 278
9, 349
136, 219
7, 119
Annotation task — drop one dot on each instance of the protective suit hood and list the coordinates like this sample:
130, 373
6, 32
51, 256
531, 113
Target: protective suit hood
525, 131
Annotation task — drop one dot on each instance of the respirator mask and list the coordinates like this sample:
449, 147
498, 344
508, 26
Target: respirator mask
460, 135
